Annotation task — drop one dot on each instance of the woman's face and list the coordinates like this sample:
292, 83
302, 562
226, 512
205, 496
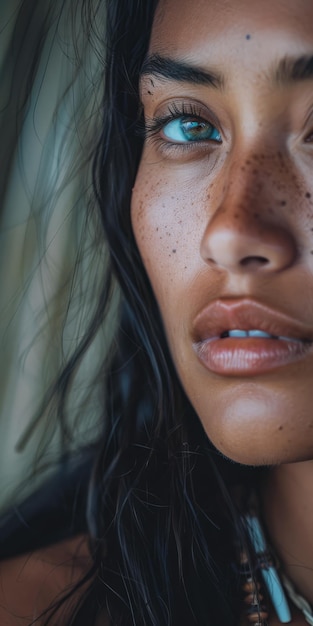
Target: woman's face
222, 212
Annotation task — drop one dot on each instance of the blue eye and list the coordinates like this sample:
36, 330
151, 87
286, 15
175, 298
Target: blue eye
187, 129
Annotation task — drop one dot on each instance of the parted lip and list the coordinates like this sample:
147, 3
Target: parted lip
223, 315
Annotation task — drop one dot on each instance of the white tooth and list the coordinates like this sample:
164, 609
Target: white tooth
237, 333
258, 333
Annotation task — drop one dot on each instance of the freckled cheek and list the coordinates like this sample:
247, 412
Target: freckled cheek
167, 232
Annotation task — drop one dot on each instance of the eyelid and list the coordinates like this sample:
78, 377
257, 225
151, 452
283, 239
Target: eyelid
308, 127
188, 106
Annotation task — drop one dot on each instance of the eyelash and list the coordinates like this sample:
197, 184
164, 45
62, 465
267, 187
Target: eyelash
153, 127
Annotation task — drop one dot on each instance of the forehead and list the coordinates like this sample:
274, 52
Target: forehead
207, 29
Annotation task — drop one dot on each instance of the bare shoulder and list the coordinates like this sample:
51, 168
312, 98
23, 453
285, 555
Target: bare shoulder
31, 582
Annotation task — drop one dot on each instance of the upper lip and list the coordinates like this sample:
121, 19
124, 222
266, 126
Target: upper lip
245, 314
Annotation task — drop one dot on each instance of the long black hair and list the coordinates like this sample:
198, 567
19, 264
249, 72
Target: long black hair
161, 522
158, 510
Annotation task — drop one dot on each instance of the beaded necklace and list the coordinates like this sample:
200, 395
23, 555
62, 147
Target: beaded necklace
267, 577
256, 609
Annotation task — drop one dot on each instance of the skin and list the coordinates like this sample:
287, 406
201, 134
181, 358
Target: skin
30, 583
198, 212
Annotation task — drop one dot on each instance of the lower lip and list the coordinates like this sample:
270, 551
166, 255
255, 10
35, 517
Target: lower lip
250, 356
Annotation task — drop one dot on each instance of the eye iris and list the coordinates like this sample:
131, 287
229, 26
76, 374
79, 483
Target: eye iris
193, 129
187, 129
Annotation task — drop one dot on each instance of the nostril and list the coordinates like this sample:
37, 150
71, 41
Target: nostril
268, 250
254, 260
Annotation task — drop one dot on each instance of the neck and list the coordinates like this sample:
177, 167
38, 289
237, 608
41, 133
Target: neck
287, 507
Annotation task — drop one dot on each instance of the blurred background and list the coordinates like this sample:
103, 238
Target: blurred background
51, 262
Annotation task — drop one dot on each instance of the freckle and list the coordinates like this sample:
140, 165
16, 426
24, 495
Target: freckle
236, 216
149, 92
248, 36
308, 195
173, 251
283, 203
280, 428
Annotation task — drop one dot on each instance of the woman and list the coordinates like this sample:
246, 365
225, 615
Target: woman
207, 210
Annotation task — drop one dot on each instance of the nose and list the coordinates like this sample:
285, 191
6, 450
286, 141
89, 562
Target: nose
244, 236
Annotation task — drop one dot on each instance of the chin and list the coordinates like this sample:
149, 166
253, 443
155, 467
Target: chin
267, 458
263, 447
252, 429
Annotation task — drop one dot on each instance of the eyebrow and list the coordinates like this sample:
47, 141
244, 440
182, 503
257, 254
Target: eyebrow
288, 70
180, 71
293, 70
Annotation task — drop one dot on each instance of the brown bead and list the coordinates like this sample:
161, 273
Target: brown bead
243, 558
254, 618
252, 598
250, 586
